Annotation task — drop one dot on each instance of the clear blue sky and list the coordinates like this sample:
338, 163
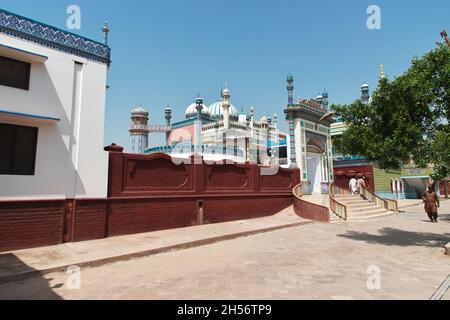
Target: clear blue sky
164, 52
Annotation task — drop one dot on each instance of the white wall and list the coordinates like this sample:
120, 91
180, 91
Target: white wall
70, 160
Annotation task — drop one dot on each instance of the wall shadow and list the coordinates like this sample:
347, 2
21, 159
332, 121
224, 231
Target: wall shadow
16, 287
402, 238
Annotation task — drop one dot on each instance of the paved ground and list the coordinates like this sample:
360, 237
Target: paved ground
318, 261
114, 249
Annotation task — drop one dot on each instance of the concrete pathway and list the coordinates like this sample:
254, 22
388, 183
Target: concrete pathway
406, 203
23, 263
400, 257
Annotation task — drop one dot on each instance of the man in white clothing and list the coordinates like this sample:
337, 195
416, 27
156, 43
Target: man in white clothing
353, 185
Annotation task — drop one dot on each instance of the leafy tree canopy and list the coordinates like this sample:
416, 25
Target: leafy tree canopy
407, 117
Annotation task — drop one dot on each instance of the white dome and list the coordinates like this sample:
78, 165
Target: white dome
191, 111
216, 110
365, 86
139, 110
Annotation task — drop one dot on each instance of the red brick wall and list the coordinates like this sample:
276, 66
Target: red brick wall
311, 211
221, 209
149, 175
90, 220
129, 216
342, 176
26, 224
148, 193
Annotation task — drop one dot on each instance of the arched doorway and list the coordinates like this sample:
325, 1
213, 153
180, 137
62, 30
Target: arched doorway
314, 163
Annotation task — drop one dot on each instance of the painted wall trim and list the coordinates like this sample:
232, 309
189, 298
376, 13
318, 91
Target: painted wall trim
52, 37
28, 115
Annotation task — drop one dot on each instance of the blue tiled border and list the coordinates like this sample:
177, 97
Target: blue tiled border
52, 37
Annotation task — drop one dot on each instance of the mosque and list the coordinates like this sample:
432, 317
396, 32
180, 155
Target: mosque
220, 132
217, 132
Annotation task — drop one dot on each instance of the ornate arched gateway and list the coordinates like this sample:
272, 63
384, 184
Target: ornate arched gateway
310, 141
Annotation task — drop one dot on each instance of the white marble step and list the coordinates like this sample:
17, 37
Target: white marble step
368, 209
371, 217
366, 213
359, 209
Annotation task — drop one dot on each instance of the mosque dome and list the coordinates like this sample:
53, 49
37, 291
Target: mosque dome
139, 111
191, 110
365, 86
216, 110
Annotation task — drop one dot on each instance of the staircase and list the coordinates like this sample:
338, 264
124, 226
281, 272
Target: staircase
358, 209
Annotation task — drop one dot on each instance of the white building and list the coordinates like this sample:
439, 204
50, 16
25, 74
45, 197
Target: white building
52, 109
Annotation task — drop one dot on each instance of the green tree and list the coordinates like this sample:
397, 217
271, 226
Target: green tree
407, 117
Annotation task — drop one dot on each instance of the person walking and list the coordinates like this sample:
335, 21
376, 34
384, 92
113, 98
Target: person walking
431, 201
360, 183
353, 184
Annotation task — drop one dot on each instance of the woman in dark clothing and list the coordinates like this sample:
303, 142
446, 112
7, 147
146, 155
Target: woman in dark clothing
432, 204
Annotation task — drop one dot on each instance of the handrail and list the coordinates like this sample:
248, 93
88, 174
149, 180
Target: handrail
388, 204
309, 210
337, 207
340, 190
297, 191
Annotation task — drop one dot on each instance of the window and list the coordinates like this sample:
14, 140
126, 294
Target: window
14, 73
18, 149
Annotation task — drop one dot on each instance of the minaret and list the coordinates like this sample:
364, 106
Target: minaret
198, 125
168, 116
319, 99
290, 117
275, 121
382, 75
290, 88
199, 106
365, 95
106, 31
139, 130
325, 99
226, 108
